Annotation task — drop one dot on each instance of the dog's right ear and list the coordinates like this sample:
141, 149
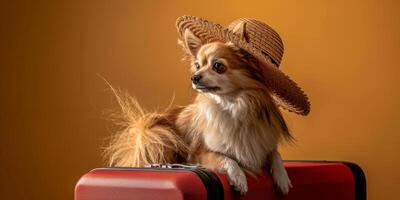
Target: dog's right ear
190, 43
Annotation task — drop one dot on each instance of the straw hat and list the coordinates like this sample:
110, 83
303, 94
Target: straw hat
260, 40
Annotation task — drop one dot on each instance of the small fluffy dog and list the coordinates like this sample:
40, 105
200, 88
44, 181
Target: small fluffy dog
233, 125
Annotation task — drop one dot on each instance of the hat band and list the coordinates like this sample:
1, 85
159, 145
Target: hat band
272, 60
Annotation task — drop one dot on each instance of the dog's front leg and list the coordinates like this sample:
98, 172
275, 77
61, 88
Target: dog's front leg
228, 166
279, 174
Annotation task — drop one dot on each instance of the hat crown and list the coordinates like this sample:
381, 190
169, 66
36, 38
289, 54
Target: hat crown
262, 37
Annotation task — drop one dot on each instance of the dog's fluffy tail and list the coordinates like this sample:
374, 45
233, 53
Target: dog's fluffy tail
143, 138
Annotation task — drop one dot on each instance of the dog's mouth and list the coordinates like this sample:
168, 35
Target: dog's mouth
205, 88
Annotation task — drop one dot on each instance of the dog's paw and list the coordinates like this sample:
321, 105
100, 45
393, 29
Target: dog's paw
238, 181
236, 176
282, 181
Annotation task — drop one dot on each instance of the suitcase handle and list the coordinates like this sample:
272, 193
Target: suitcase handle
212, 184
172, 166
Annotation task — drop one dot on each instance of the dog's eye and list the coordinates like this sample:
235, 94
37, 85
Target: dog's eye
197, 65
219, 67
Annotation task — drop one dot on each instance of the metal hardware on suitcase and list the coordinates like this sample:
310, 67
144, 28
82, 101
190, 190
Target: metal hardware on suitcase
311, 180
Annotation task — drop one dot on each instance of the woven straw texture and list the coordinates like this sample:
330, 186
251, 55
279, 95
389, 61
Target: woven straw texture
263, 43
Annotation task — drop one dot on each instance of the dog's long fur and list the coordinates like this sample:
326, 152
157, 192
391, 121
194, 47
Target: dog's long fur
143, 138
232, 128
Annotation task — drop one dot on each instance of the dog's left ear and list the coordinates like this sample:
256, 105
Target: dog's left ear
191, 43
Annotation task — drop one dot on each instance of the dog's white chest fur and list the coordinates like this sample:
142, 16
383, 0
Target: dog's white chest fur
233, 129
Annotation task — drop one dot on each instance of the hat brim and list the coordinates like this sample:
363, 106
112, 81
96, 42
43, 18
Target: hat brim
286, 93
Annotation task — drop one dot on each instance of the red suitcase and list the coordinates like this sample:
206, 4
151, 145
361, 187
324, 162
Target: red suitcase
310, 179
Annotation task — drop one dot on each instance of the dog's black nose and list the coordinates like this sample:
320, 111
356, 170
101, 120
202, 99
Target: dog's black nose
196, 79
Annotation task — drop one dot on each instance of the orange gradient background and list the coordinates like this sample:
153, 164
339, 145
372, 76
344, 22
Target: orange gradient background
53, 119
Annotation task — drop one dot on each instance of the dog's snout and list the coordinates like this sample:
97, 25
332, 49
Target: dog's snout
196, 79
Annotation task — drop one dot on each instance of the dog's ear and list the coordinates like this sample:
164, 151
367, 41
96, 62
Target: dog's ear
240, 29
191, 43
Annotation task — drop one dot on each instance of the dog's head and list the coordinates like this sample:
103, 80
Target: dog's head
220, 68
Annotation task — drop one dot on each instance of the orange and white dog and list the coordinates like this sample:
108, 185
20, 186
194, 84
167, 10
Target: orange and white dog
233, 125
